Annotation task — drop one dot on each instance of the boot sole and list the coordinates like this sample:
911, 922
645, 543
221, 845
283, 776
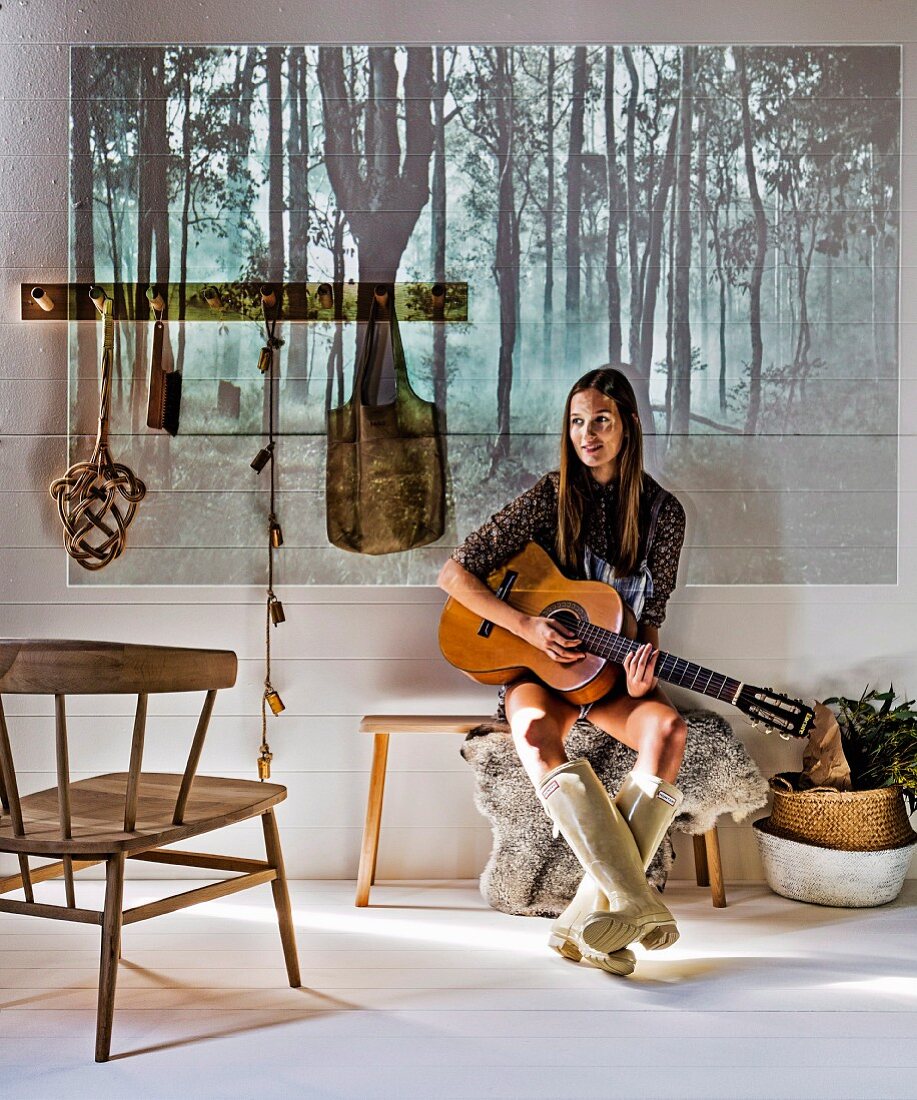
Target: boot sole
559, 942
621, 967
661, 937
606, 932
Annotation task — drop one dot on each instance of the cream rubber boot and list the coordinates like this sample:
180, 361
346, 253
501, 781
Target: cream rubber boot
585, 816
649, 805
565, 938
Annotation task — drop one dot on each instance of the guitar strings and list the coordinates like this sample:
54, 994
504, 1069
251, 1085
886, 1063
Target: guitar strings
615, 646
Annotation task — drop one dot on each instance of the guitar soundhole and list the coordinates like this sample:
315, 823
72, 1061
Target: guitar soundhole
567, 613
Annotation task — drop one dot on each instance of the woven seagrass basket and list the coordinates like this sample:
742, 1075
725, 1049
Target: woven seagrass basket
849, 821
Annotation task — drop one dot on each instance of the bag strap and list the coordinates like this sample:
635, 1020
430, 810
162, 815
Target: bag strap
369, 349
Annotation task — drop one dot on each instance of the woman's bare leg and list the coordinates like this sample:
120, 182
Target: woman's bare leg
539, 721
650, 725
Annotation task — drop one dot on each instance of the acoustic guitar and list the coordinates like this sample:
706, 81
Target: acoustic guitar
593, 612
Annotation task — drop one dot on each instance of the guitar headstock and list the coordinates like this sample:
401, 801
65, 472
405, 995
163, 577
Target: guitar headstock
779, 713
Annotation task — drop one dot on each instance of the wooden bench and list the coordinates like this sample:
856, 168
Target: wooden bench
707, 864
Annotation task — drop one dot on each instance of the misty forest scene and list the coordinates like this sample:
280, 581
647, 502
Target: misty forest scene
724, 220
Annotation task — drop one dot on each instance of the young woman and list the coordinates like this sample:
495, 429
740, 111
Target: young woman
602, 517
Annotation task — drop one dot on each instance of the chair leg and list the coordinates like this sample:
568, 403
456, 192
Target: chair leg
369, 849
26, 878
281, 897
717, 887
111, 951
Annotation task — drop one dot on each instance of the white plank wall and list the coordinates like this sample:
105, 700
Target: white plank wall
347, 651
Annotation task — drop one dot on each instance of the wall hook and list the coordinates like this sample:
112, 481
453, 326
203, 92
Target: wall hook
42, 298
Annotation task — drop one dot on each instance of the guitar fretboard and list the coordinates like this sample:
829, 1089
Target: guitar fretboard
675, 670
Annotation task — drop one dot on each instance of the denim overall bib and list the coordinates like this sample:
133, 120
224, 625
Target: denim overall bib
634, 589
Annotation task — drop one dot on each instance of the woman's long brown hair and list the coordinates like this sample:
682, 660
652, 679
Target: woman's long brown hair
577, 485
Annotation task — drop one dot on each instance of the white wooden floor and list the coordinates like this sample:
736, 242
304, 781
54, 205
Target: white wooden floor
429, 994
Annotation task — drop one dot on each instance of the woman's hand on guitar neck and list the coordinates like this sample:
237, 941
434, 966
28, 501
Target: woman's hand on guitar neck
639, 665
551, 638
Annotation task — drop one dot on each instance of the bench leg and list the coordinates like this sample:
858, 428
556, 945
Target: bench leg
369, 850
708, 867
701, 871
717, 887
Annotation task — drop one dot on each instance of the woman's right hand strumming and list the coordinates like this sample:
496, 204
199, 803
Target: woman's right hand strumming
545, 634
551, 638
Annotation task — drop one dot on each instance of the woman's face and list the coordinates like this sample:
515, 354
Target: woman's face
596, 432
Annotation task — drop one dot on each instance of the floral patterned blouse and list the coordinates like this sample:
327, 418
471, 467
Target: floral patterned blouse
532, 517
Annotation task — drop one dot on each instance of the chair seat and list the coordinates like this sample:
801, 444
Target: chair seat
97, 813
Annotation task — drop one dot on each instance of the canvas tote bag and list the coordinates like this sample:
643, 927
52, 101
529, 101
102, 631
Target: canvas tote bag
384, 478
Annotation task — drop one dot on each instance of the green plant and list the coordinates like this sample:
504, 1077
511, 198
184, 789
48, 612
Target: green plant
880, 741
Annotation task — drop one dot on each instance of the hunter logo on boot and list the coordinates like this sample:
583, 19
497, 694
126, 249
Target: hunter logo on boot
550, 788
666, 797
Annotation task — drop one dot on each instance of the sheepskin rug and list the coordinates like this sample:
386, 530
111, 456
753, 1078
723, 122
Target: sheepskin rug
529, 872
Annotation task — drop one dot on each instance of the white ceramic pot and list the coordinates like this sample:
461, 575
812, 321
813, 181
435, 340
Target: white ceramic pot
828, 876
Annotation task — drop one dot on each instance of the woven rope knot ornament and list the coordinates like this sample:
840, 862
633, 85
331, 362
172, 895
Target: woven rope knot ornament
97, 499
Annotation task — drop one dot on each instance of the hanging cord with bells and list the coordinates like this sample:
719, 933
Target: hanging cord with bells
274, 609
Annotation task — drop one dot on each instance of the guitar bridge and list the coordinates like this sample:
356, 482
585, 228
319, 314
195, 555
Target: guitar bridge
502, 593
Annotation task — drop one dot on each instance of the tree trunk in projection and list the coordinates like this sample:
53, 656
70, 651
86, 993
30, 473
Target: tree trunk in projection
380, 187
507, 249
636, 289
654, 254
438, 223
276, 257
275, 268
702, 154
297, 387
721, 284
573, 251
85, 390
803, 256
186, 63
669, 316
614, 214
681, 305
336, 353
104, 127
549, 198
754, 287
153, 213
240, 125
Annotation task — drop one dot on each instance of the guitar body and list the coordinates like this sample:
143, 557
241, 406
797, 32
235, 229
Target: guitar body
495, 656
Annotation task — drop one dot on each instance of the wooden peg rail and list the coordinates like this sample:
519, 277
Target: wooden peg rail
226, 303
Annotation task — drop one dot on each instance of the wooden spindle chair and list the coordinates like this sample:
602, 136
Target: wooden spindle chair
127, 815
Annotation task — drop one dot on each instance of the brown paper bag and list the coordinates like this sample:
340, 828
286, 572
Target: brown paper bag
824, 763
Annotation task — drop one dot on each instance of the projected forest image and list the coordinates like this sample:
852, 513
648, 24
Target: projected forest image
724, 219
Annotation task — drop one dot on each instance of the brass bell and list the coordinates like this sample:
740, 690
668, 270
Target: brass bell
276, 534
276, 610
325, 296
262, 458
265, 358
264, 764
274, 701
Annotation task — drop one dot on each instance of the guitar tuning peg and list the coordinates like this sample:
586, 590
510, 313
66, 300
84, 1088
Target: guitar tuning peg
785, 737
